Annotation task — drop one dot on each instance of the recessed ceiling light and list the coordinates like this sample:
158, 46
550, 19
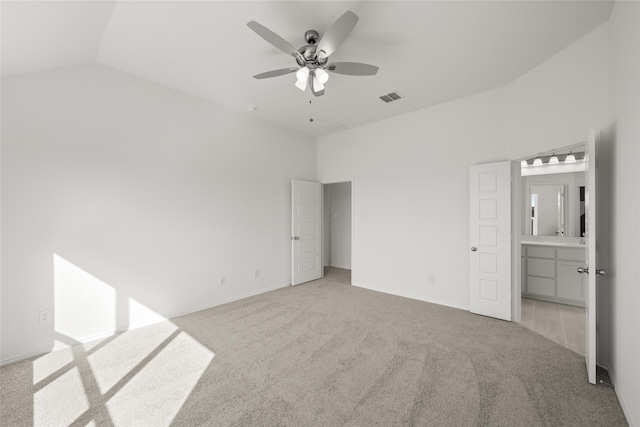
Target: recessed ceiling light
252, 108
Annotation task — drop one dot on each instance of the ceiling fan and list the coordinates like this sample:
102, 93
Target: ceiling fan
313, 58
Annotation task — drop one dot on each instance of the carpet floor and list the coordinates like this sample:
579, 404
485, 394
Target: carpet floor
319, 354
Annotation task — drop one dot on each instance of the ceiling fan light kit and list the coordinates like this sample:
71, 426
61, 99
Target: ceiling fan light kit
322, 75
303, 74
302, 85
313, 58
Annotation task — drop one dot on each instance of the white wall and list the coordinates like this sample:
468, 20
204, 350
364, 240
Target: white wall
340, 219
554, 104
141, 193
411, 194
623, 139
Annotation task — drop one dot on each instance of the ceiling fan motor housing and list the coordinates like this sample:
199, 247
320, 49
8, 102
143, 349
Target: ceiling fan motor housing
308, 51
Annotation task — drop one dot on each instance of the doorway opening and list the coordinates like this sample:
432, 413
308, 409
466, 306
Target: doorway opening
549, 295
337, 234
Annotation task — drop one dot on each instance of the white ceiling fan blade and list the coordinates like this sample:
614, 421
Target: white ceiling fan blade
353, 68
275, 39
337, 34
317, 88
275, 73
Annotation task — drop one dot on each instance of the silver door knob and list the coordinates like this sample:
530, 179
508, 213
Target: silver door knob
473, 249
601, 272
295, 238
583, 270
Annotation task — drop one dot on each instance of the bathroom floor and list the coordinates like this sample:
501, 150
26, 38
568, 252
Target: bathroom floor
563, 324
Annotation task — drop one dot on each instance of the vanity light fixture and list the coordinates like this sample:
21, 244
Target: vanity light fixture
552, 159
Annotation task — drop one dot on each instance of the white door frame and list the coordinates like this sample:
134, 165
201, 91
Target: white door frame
322, 242
516, 249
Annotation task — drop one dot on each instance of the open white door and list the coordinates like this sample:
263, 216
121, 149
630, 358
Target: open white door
306, 208
490, 240
591, 271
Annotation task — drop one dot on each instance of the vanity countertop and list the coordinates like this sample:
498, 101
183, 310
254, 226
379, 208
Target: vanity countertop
558, 244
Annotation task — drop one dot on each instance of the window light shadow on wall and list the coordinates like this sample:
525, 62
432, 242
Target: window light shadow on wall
140, 377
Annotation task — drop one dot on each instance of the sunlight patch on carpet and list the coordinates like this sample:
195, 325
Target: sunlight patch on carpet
156, 394
127, 350
61, 402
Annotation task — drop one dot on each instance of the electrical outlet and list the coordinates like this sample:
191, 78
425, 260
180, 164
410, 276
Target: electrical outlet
256, 273
223, 280
431, 280
45, 316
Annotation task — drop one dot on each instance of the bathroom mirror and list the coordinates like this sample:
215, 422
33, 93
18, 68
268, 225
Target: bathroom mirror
548, 209
554, 205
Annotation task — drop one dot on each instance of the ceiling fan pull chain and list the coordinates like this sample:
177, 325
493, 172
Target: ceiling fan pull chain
311, 109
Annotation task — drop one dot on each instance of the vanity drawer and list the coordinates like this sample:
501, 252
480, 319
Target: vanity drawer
572, 254
540, 286
541, 267
539, 252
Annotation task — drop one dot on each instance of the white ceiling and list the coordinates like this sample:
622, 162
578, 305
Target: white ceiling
429, 51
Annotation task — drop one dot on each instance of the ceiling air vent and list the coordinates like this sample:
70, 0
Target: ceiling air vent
390, 97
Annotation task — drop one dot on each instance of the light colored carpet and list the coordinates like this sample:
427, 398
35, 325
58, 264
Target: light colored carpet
319, 354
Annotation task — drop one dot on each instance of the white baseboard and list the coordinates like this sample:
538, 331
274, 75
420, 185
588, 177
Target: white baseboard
626, 408
138, 325
411, 296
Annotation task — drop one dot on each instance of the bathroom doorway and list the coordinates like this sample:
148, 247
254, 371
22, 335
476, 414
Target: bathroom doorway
552, 245
337, 236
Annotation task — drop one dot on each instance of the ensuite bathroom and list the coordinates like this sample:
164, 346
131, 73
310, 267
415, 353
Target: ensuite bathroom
553, 239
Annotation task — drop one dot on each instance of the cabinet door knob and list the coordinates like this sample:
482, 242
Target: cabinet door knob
601, 272
473, 249
583, 270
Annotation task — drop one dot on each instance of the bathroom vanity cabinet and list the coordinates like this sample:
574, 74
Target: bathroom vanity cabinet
549, 273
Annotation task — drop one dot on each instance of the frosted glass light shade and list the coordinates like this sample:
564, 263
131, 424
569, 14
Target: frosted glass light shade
303, 74
317, 85
302, 85
554, 160
537, 162
322, 75
570, 158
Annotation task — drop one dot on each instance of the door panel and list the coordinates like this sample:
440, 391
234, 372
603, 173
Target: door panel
490, 238
306, 208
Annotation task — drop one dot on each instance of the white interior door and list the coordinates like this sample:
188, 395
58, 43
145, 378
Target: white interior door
306, 243
591, 271
490, 240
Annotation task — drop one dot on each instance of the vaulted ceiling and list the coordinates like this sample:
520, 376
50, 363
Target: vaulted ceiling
429, 51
